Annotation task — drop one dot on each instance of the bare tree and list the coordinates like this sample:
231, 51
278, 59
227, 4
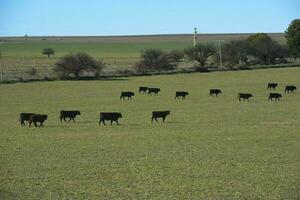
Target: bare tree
201, 52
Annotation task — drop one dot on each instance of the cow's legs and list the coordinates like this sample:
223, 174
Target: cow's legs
117, 122
111, 121
30, 124
73, 118
35, 124
156, 119
65, 119
152, 119
164, 119
101, 120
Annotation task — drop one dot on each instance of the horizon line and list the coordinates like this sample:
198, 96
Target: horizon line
139, 35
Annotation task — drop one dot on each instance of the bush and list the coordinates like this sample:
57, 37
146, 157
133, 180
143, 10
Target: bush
154, 60
175, 55
75, 64
32, 72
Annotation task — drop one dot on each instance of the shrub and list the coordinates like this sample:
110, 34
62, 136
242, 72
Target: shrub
154, 60
78, 63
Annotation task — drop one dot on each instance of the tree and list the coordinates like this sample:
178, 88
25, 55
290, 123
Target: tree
48, 52
200, 52
154, 60
235, 52
175, 55
292, 35
264, 48
78, 63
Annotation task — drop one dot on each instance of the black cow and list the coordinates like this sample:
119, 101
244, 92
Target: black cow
159, 114
181, 94
244, 96
126, 94
112, 116
272, 86
68, 114
275, 96
153, 90
290, 88
24, 117
143, 89
214, 91
37, 118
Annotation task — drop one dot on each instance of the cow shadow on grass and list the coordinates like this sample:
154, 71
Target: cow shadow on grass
87, 122
175, 122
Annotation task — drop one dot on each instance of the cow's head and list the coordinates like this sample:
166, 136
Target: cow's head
77, 112
120, 115
168, 112
132, 93
186, 93
250, 95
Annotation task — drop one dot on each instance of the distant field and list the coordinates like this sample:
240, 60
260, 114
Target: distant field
209, 148
118, 51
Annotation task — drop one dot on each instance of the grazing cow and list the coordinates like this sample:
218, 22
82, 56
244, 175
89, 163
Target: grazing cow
159, 114
181, 94
275, 96
290, 88
244, 96
126, 94
143, 89
68, 114
112, 116
272, 86
37, 118
214, 91
24, 117
153, 90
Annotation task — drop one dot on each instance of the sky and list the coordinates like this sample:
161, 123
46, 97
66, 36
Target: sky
140, 17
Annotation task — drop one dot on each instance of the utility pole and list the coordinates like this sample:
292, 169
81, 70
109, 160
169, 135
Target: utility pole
195, 37
221, 60
1, 65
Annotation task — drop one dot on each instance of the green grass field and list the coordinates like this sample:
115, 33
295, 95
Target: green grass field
118, 52
208, 148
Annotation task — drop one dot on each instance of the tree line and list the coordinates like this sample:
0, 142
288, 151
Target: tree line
257, 49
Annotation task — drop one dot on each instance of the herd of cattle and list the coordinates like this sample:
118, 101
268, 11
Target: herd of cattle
114, 116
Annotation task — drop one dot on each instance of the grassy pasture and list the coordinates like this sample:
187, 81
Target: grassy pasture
118, 51
209, 148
